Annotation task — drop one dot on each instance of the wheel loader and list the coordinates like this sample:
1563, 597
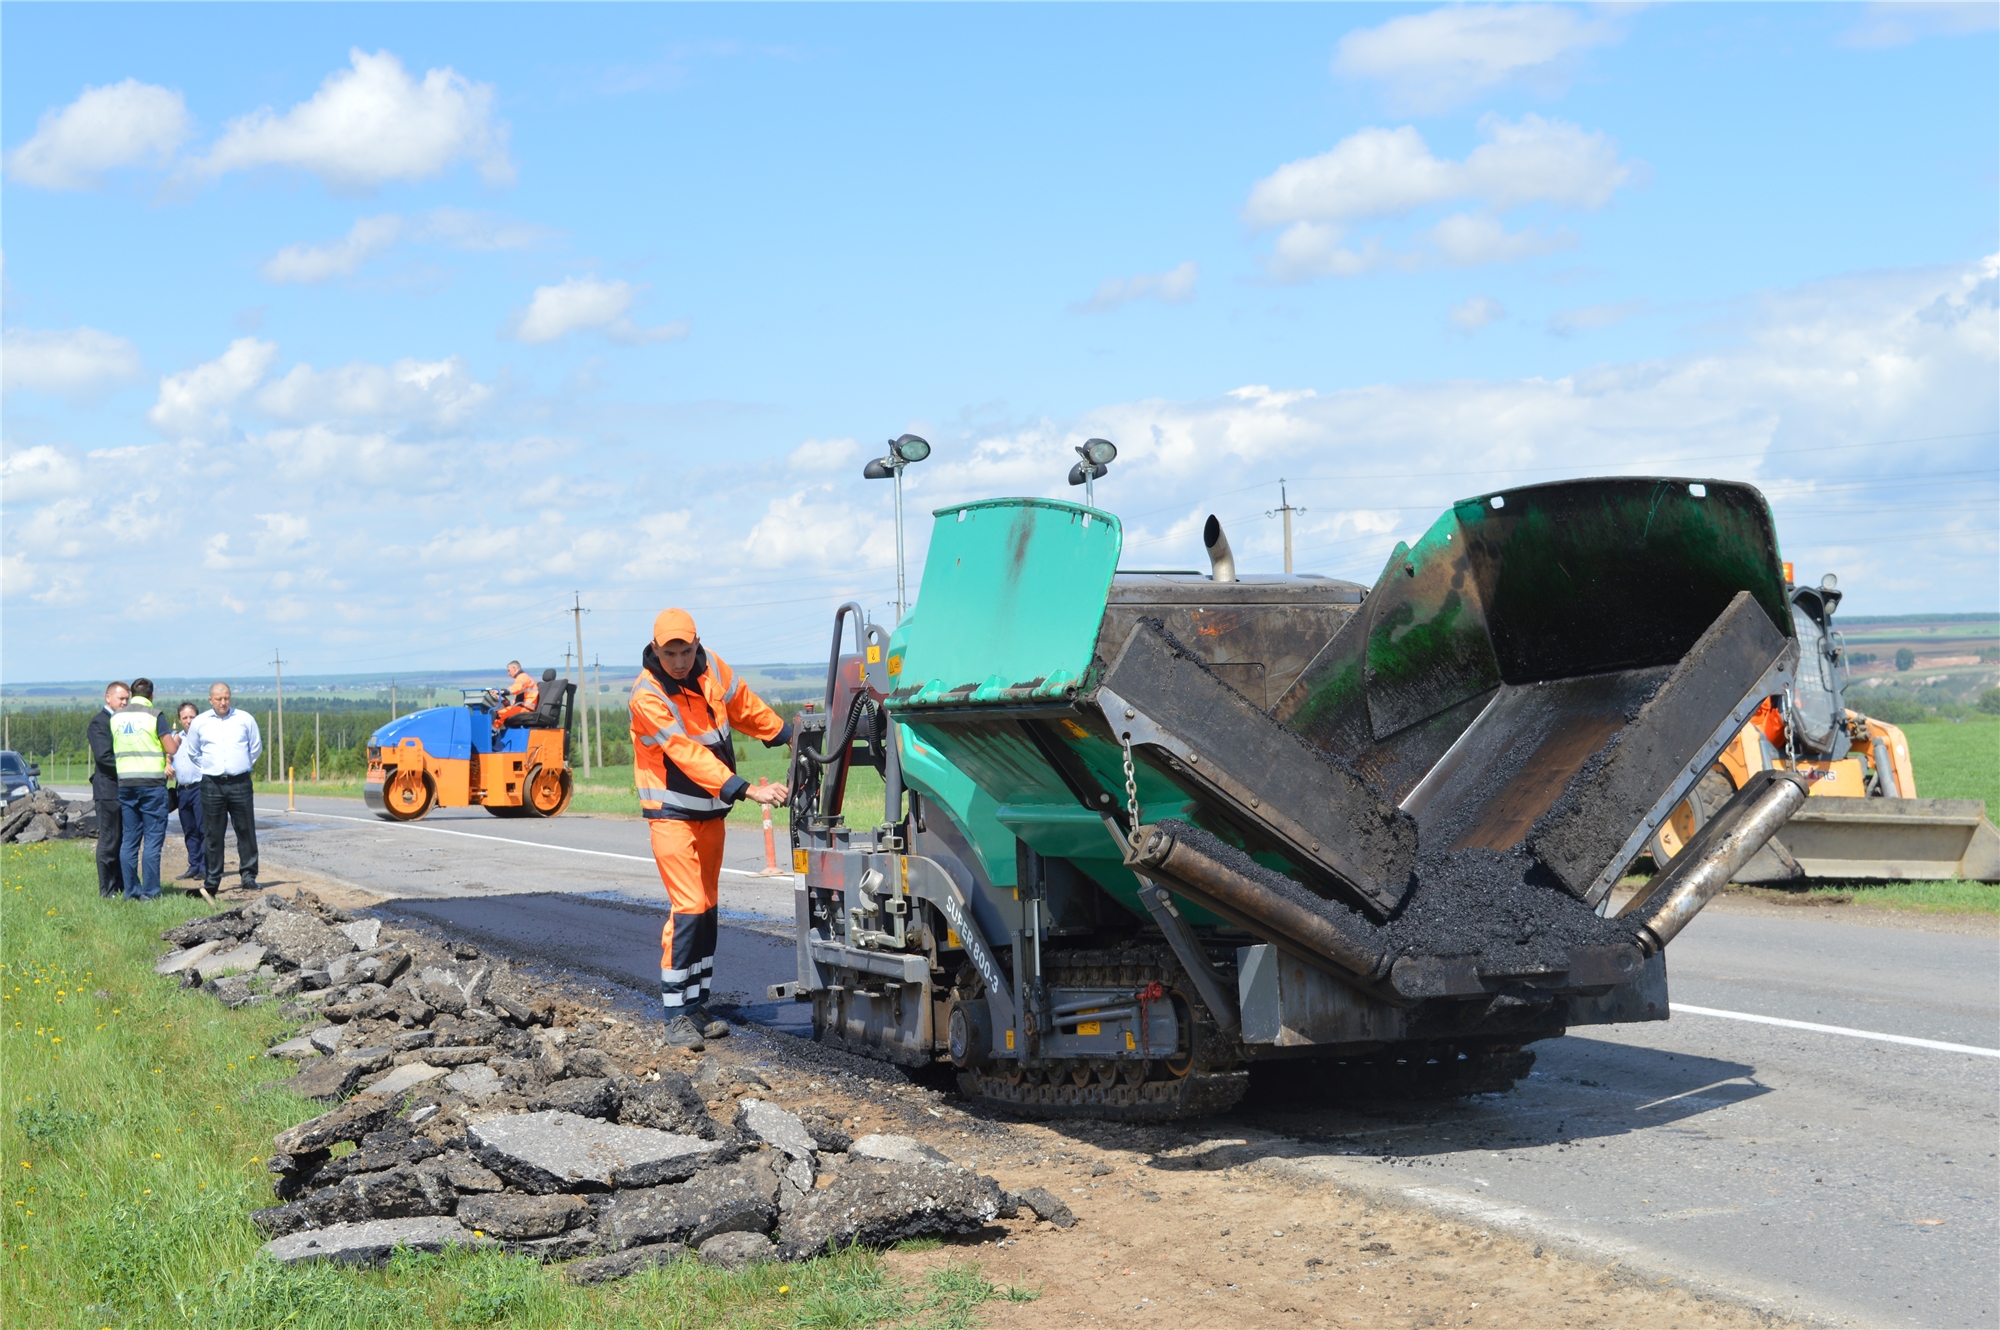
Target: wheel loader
1144, 832
1865, 821
467, 756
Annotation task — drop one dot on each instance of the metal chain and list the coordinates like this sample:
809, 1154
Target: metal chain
1131, 784
1790, 714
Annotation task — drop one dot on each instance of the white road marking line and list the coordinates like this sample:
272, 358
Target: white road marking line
474, 835
1940, 1046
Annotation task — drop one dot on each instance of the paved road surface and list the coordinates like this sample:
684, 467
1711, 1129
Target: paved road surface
1844, 1177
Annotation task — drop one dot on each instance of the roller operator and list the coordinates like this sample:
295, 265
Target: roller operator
686, 705
521, 692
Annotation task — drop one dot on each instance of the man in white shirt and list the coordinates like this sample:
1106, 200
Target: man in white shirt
224, 745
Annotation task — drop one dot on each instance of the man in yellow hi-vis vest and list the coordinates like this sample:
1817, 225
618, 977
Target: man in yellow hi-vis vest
142, 738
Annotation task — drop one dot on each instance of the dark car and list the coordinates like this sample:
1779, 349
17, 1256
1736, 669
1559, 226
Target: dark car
18, 774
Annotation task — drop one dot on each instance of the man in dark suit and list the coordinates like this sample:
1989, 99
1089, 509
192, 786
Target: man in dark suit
104, 793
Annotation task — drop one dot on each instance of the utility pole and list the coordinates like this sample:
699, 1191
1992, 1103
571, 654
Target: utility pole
392, 698
576, 609
1285, 508
315, 747
279, 666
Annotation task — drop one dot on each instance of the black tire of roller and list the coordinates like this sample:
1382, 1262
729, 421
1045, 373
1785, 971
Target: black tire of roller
1215, 1081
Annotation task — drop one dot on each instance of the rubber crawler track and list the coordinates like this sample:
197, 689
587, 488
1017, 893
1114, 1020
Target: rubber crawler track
1213, 1083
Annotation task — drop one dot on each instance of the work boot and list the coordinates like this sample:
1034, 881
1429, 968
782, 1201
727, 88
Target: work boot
705, 1021
684, 1033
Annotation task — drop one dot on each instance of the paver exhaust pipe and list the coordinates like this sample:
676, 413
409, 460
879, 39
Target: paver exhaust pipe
1221, 562
1358, 950
1674, 897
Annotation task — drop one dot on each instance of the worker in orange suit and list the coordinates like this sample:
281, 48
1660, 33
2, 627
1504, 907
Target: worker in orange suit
686, 704
523, 692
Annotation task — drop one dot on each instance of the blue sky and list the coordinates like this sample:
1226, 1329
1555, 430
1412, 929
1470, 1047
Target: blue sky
369, 333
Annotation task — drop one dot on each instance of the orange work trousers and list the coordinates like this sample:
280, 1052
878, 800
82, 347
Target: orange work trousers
689, 857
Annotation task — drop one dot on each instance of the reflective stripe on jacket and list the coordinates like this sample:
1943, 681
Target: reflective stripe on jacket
525, 690
683, 755
135, 744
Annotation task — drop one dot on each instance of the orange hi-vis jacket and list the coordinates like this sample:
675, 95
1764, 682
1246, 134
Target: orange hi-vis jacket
525, 690
683, 759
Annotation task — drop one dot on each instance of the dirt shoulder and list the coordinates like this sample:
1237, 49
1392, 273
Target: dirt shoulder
1172, 1228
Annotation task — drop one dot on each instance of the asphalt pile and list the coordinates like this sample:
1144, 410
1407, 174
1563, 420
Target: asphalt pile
486, 1111
46, 815
1504, 908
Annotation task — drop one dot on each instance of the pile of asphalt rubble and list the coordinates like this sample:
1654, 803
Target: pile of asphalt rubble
486, 1113
46, 815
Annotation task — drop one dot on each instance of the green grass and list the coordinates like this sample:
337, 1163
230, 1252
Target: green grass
1920, 897
1957, 761
133, 1127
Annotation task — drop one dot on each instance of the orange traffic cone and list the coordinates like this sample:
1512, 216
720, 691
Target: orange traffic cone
771, 868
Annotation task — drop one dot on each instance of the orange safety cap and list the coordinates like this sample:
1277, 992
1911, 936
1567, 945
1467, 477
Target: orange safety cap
673, 626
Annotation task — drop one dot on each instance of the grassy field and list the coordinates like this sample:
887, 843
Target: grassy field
1957, 761
134, 1118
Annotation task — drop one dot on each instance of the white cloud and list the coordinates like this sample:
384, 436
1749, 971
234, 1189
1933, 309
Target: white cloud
1442, 59
371, 124
442, 393
77, 362
824, 455
1175, 287
18, 577
282, 534
371, 532
123, 124
316, 263
1312, 249
1469, 316
30, 475
1905, 22
1472, 239
1377, 174
583, 303
1388, 172
478, 232
1591, 318
196, 402
1806, 382
817, 528
326, 453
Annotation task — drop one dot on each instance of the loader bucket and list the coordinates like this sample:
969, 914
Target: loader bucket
1884, 840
